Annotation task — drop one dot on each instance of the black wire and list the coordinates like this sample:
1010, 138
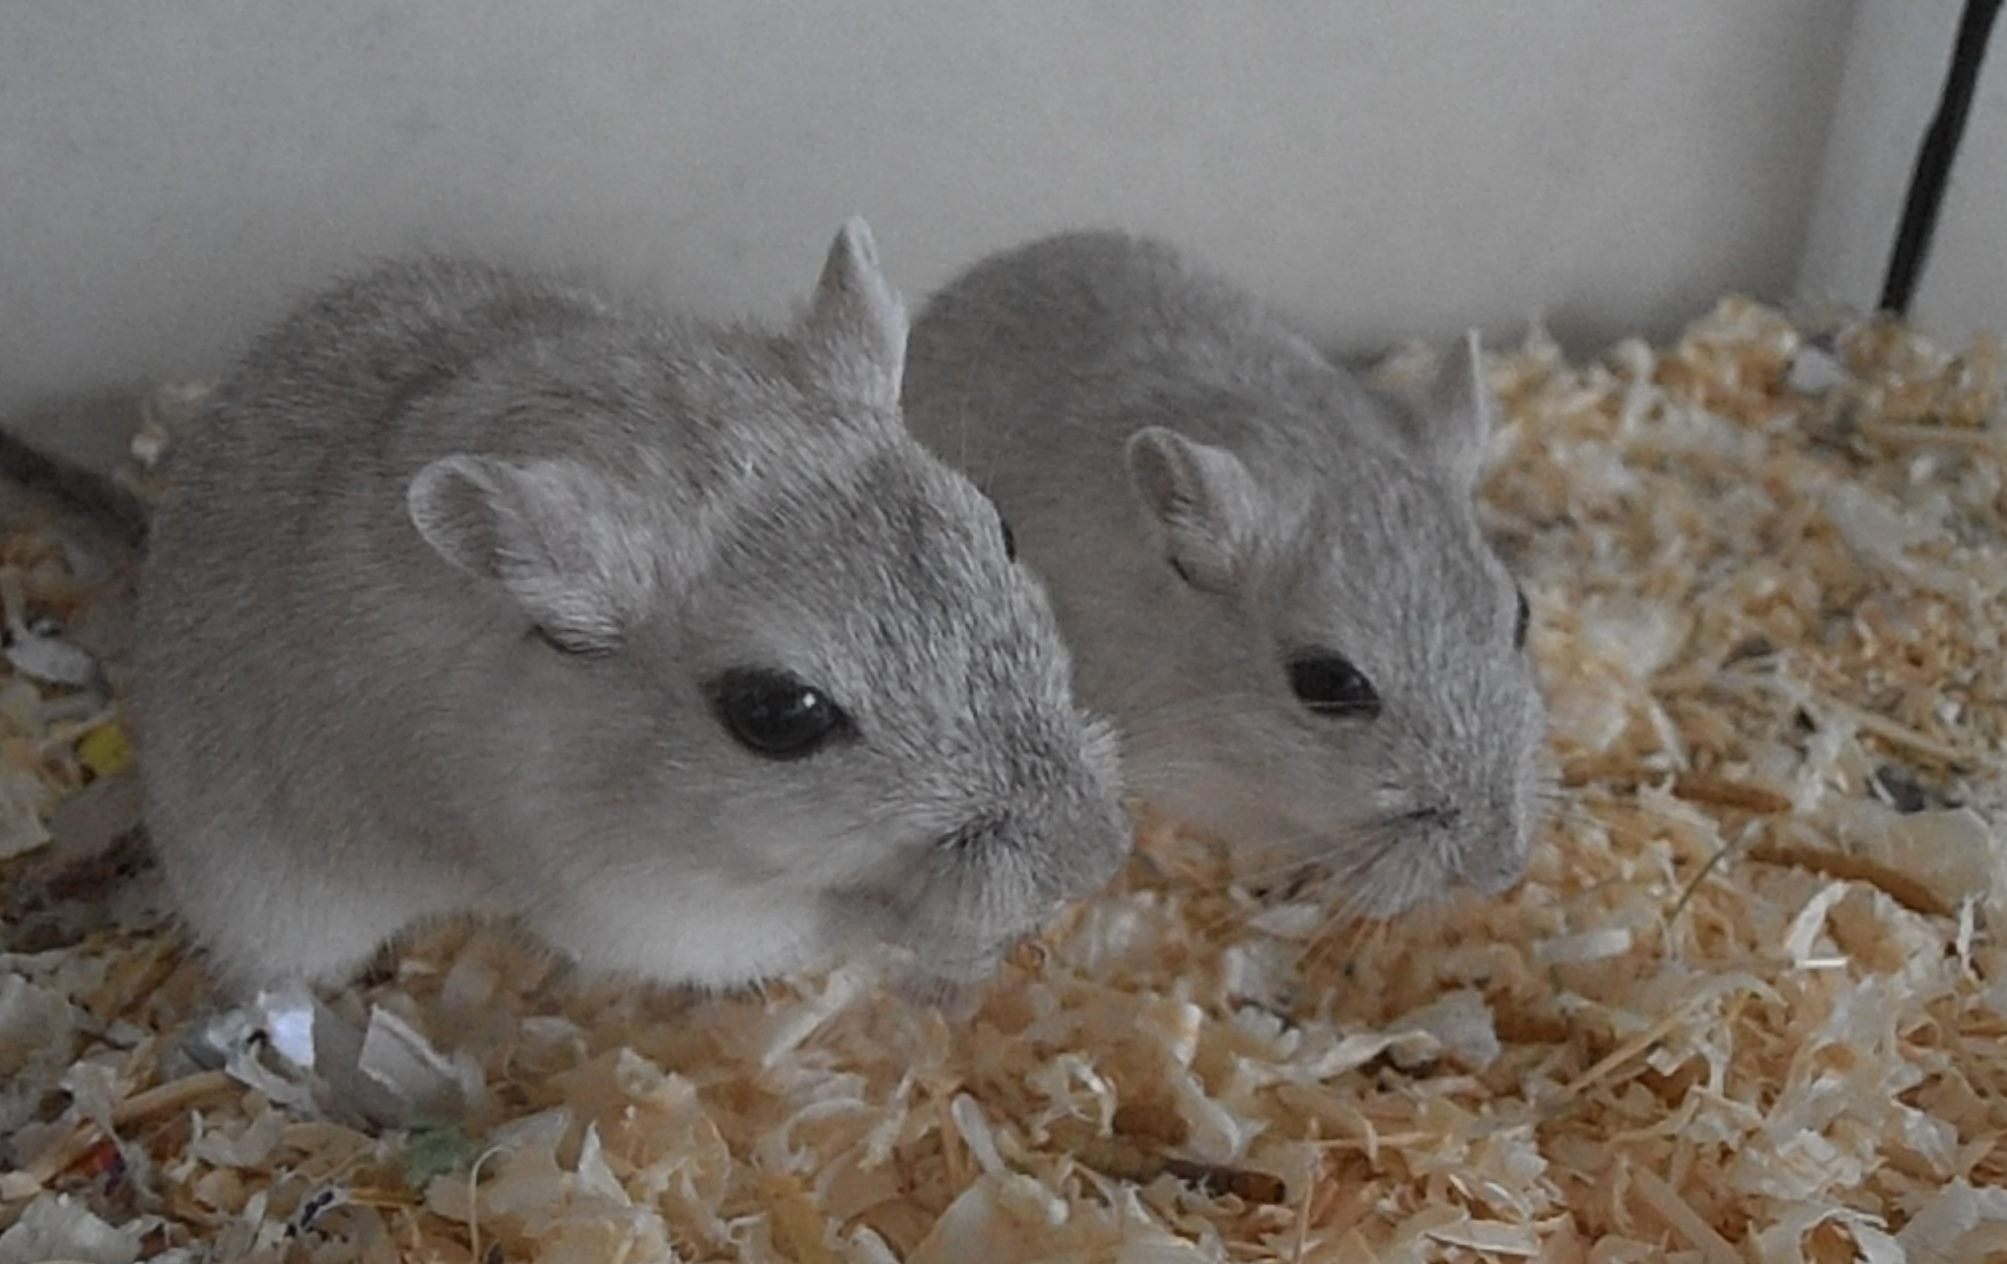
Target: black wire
1933, 159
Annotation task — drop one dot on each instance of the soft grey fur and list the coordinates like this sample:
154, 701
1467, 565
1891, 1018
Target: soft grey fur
347, 723
1129, 412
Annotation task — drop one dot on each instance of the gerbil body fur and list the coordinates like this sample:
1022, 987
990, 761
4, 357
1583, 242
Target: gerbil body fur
477, 591
1271, 578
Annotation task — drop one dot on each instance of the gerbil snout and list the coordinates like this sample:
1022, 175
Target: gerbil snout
1419, 855
1496, 864
1485, 851
996, 880
1442, 818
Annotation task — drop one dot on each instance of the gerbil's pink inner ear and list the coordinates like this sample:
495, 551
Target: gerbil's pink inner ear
548, 533
1205, 505
855, 328
1453, 418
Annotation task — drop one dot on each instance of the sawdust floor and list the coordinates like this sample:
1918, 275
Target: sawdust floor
1747, 1006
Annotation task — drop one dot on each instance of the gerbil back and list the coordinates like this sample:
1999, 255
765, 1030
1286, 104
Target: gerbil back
479, 591
1272, 578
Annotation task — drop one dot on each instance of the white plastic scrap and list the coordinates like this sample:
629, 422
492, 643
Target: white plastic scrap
58, 1228
24, 803
38, 649
51, 659
233, 1039
33, 1021
1815, 370
399, 1059
1462, 1022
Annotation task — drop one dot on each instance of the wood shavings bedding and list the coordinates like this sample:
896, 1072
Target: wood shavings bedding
1750, 1004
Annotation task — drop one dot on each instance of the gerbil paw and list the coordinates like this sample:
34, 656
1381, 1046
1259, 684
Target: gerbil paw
957, 991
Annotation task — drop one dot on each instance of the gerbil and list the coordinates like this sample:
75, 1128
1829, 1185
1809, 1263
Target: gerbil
1271, 578
477, 591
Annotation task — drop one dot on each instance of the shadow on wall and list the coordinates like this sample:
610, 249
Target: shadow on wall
93, 429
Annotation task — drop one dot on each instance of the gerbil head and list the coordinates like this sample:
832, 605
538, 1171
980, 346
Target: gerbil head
1357, 692
787, 693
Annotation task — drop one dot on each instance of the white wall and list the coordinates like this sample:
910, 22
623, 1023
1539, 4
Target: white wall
170, 172
1965, 283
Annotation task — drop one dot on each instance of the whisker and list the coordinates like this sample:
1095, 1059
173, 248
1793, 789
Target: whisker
1360, 881
1373, 842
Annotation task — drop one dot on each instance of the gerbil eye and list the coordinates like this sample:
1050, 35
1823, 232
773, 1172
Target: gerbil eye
774, 714
572, 644
1328, 684
1525, 619
1009, 539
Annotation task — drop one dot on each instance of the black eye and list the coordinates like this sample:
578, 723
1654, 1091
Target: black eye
1525, 619
1010, 540
773, 714
1329, 685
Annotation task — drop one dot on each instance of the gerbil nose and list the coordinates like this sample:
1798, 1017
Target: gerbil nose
1438, 817
1496, 864
974, 835
1500, 875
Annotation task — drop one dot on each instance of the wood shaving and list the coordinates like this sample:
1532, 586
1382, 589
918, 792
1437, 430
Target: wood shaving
1749, 1004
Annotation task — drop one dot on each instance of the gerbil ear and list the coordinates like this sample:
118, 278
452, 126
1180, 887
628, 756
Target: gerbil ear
1452, 419
549, 532
856, 325
1206, 505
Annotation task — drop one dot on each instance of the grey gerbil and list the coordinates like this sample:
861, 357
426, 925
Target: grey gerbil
475, 590
1272, 578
